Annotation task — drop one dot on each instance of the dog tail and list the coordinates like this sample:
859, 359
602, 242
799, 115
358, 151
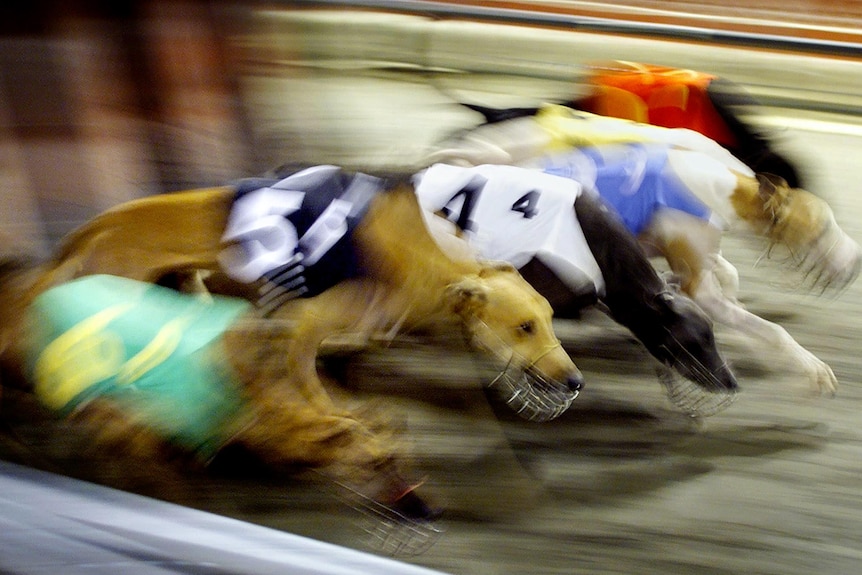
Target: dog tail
495, 115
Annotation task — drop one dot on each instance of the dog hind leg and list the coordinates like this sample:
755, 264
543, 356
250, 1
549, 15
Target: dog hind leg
728, 278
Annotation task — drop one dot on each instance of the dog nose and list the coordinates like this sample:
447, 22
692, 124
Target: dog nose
414, 507
575, 382
728, 380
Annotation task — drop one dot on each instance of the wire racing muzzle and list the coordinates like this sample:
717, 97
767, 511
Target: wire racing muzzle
702, 393
387, 531
391, 533
691, 397
522, 387
530, 395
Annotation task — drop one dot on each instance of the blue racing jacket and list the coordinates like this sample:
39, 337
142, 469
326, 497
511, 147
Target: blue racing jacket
634, 179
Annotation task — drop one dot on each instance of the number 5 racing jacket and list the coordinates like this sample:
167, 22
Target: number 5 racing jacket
295, 233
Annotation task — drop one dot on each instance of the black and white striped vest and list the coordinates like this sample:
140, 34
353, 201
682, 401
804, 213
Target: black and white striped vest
295, 233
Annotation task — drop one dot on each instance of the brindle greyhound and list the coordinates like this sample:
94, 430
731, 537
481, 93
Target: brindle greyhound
129, 401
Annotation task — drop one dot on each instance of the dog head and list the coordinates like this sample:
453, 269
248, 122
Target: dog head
683, 339
507, 318
806, 226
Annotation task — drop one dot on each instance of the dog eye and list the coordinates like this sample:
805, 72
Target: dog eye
527, 327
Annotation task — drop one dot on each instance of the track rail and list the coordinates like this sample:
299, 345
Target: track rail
610, 25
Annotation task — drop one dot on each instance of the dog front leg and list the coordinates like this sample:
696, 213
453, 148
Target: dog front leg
349, 306
295, 422
296, 419
728, 278
723, 310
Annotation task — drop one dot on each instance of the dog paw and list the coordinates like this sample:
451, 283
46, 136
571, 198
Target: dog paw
822, 378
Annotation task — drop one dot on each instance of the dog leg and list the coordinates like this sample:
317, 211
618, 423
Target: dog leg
692, 251
353, 307
728, 278
279, 367
723, 310
292, 426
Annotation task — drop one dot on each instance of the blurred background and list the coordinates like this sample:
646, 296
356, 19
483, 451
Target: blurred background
104, 101
101, 102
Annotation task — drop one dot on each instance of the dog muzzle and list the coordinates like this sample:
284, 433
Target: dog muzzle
691, 397
387, 531
530, 395
523, 388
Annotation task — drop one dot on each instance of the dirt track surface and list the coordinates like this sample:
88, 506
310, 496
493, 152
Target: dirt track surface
622, 483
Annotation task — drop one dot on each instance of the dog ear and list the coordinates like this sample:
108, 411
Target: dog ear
773, 191
769, 183
467, 297
491, 267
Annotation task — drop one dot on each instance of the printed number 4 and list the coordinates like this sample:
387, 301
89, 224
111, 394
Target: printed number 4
526, 204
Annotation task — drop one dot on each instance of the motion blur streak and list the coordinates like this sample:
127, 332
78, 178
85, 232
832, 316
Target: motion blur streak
100, 104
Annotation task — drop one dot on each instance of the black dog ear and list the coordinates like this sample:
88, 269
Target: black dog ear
664, 302
665, 298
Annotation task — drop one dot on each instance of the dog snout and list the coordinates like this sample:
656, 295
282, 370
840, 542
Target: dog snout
727, 379
575, 382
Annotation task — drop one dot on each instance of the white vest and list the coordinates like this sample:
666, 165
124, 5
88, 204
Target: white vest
513, 214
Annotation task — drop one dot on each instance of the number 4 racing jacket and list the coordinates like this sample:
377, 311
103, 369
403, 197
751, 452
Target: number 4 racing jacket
516, 215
